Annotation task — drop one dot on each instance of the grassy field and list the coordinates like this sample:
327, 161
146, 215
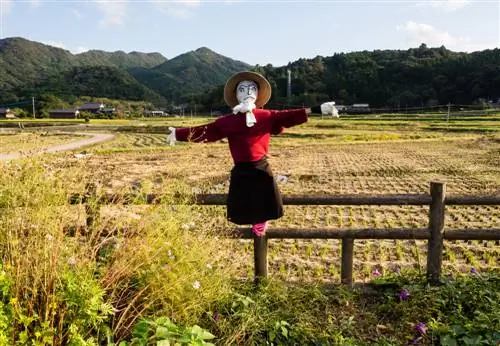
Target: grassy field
325, 156
372, 155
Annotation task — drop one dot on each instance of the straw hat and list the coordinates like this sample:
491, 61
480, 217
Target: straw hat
264, 88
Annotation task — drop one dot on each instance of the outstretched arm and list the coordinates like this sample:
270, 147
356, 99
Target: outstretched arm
203, 133
289, 118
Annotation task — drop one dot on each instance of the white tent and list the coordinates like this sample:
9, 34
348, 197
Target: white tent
328, 108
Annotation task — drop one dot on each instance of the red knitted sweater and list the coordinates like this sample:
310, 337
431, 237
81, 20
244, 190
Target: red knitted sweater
247, 144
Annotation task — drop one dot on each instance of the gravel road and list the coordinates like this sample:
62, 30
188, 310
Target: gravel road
94, 138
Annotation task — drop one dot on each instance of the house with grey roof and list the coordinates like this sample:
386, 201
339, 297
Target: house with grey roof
64, 113
92, 107
7, 113
96, 108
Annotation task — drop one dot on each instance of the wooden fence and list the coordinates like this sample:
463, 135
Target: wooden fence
435, 233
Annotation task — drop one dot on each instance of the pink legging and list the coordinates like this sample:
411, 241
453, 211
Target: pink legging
259, 229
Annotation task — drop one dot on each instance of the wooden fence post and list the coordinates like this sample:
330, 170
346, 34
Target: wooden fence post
260, 257
92, 211
436, 228
347, 261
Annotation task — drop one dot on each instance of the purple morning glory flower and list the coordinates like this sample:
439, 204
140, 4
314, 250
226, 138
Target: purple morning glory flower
416, 341
216, 317
403, 295
473, 271
421, 328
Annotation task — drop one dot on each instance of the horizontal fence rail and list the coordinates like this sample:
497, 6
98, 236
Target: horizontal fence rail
357, 199
435, 233
369, 233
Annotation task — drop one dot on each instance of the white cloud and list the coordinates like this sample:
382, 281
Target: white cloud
55, 44
114, 12
446, 5
79, 50
473, 47
418, 33
179, 9
77, 14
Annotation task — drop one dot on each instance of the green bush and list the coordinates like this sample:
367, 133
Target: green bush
93, 285
395, 310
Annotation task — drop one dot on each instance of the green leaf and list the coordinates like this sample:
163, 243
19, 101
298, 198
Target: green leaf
458, 330
202, 333
448, 340
164, 321
184, 339
164, 332
141, 330
471, 340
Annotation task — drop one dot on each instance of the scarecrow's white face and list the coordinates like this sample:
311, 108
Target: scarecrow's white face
247, 91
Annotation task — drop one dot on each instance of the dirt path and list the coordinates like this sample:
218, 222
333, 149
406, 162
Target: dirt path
95, 138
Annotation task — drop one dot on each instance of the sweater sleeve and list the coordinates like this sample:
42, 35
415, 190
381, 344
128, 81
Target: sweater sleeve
277, 129
288, 118
203, 133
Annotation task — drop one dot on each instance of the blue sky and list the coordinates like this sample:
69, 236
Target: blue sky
255, 32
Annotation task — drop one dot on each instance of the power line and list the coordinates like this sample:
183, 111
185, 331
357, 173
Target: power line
5, 105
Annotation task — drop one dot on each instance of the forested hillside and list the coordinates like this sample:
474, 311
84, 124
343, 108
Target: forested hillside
391, 78
188, 73
30, 69
95, 81
120, 59
417, 77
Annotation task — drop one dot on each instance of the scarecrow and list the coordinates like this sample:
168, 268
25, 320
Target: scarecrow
253, 197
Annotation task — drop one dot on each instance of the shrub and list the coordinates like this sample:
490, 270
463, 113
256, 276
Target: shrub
93, 285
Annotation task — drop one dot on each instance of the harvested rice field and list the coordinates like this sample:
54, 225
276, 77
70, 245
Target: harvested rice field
321, 158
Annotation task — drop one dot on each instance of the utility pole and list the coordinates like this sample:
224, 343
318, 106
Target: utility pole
33, 103
289, 85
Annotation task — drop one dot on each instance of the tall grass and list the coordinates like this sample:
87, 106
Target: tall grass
93, 285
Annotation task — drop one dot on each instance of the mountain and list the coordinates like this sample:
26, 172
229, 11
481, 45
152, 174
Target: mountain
97, 81
190, 72
396, 79
29, 68
23, 61
119, 59
416, 77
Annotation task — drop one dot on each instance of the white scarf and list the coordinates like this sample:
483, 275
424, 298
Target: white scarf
246, 108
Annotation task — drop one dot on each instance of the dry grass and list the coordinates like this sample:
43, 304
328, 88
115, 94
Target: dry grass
318, 160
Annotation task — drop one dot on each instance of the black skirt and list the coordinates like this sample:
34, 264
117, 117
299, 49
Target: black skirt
253, 194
